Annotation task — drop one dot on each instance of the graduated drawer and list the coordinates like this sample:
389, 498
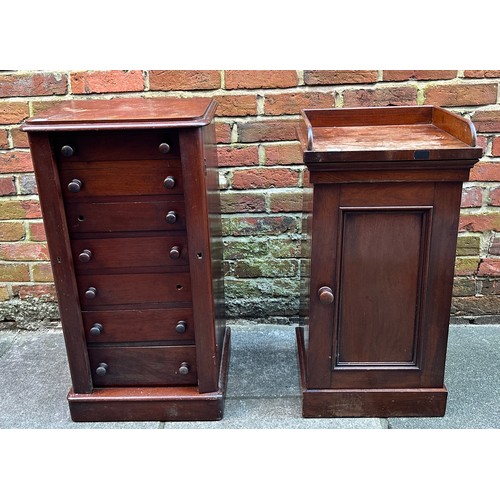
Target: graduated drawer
143, 366
121, 178
115, 145
117, 253
125, 216
123, 289
139, 325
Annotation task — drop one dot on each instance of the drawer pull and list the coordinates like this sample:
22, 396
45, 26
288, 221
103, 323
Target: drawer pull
181, 327
85, 256
184, 368
102, 369
91, 292
164, 148
175, 252
171, 217
169, 182
96, 329
67, 151
325, 295
75, 185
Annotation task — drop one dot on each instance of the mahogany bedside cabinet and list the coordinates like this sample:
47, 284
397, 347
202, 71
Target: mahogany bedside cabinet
382, 217
129, 195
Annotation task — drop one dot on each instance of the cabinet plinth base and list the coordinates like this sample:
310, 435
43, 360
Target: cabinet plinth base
153, 403
352, 402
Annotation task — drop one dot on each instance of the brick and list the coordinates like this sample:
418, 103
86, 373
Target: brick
4, 293
252, 79
269, 130
494, 248
461, 94
418, 74
14, 272
485, 171
232, 202
20, 209
11, 231
263, 178
36, 231
46, 292
4, 140
495, 148
487, 120
223, 133
27, 184
338, 77
472, 197
7, 186
16, 161
292, 103
489, 267
241, 248
285, 201
237, 156
482, 73
476, 306
184, 80
381, 96
42, 272
464, 287
267, 267
488, 286
482, 142
34, 84
465, 266
236, 105
13, 112
480, 222
468, 245
19, 138
283, 154
97, 82
238, 225
23, 251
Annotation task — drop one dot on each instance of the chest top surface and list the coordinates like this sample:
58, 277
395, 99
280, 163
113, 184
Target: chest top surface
132, 113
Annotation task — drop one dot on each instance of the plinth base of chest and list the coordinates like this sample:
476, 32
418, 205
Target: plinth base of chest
382, 403
153, 403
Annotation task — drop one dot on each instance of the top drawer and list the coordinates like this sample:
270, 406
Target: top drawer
116, 145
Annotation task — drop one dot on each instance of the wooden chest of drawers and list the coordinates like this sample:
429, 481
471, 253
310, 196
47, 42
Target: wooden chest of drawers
382, 219
129, 194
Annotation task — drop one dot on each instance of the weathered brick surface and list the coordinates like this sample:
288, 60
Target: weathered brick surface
261, 171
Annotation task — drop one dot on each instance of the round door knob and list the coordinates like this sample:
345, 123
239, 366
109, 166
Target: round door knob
175, 252
96, 329
75, 185
184, 368
67, 151
169, 182
85, 256
171, 217
181, 327
91, 293
102, 369
164, 148
325, 295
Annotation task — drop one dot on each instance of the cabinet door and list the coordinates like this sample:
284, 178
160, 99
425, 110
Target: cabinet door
386, 252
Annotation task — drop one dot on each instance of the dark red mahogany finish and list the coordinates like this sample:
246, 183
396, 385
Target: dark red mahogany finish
381, 219
130, 200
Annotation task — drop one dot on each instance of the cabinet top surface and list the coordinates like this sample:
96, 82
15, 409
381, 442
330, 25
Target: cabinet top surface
391, 133
123, 113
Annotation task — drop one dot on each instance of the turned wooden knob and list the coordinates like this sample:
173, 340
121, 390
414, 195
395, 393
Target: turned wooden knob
169, 182
181, 327
164, 148
102, 369
175, 252
75, 185
171, 217
67, 151
91, 293
96, 329
85, 256
184, 368
325, 295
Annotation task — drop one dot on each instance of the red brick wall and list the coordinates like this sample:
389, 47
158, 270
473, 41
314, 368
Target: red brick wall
261, 171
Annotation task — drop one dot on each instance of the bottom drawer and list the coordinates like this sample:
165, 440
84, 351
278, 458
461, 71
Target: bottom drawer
143, 366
